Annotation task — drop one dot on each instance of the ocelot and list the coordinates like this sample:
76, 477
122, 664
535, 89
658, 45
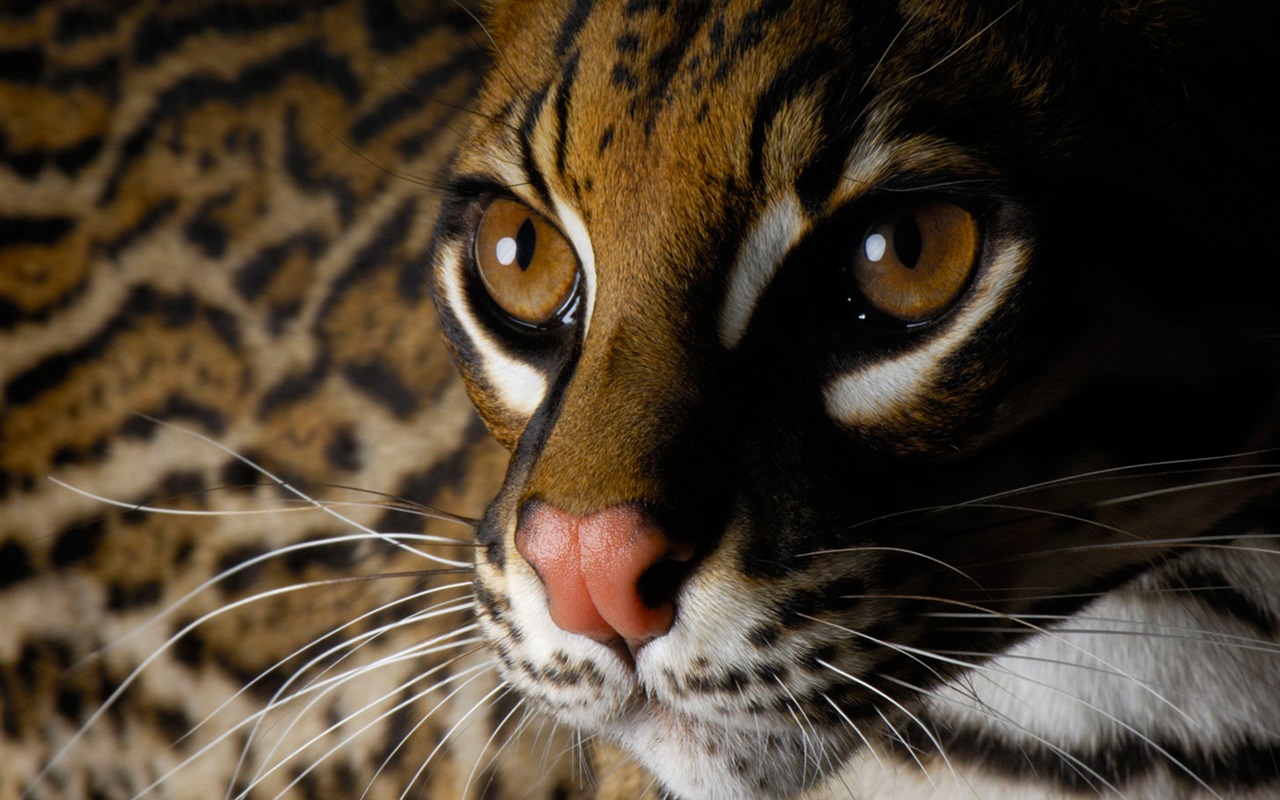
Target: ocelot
888, 396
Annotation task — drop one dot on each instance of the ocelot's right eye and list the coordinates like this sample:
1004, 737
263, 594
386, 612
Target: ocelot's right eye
527, 266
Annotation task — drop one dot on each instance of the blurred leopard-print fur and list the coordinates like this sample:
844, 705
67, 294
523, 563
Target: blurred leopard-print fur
215, 218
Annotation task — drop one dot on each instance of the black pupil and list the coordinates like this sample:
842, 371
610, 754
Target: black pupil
526, 241
906, 240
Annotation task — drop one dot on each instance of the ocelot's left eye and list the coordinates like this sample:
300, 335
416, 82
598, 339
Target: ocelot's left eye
915, 265
526, 265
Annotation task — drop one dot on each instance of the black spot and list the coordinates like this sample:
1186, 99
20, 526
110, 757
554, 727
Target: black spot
34, 230
124, 598
624, 77
336, 556
391, 31
173, 723
70, 705
26, 165
572, 26
204, 231
256, 274
78, 543
408, 103
343, 450
243, 577
70, 160
237, 474
19, 8
189, 648
568, 74
138, 427
182, 484
380, 383
606, 139
15, 564
22, 65
159, 34
293, 388
79, 23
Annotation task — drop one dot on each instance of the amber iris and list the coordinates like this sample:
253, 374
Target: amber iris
913, 266
526, 265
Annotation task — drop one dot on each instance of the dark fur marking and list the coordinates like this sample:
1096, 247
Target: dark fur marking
22, 64
308, 59
1211, 588
568, 74
409, 102
1250, 764
204, 231
379, 382
15, 563
34, 230
793, 80
158, 35
243, 578
533, 112
78, 543
256, 274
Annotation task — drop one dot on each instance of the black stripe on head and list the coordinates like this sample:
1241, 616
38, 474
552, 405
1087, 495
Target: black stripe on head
530, 121
793, 80
568, 74
572, 26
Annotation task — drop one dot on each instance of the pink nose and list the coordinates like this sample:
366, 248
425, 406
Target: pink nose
592, 568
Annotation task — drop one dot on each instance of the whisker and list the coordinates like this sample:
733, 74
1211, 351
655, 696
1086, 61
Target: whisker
321, 687
456, 568
1186, 488
298, 493
1181, 542
1056, 690
457, 724
479, 668
488, 743
858, 731
1077, 765
1091, 475
924, 728
316, 641
259, 714
964, 44
1048, 633
878, 548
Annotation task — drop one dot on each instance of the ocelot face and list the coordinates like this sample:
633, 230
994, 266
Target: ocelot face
816, 331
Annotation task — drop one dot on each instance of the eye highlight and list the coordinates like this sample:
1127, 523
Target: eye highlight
913, 266
526, 265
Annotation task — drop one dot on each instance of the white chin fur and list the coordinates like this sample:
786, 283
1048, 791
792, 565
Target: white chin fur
695, 761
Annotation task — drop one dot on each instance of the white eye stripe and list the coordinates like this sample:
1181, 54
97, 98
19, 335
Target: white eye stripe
780, 225
879, 392
519, 386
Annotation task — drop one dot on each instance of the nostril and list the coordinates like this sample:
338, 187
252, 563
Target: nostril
660, 583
